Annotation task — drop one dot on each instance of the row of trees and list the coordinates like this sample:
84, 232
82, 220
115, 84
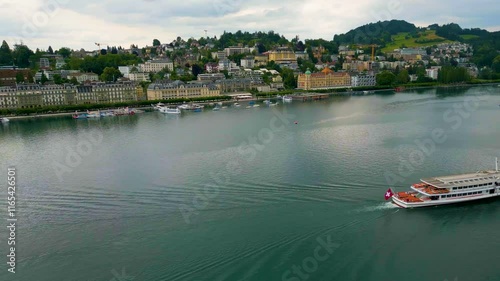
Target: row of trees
446, 75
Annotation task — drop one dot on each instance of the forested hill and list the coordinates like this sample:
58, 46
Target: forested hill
375, 33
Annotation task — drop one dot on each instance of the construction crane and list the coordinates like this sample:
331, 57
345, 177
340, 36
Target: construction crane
373, 46
373, 51
99, 45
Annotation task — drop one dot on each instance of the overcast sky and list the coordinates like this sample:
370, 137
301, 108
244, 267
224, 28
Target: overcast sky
79, 24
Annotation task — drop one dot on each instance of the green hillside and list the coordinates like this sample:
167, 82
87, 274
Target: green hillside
408, 40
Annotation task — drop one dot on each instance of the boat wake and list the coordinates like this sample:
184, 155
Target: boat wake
379, 207
338, 118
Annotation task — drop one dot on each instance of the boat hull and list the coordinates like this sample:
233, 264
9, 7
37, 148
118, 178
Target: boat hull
430, 203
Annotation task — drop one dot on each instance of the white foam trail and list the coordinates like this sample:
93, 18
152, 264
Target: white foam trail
338, 118
380, 207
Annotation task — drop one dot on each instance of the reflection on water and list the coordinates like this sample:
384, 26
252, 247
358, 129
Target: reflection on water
120, 206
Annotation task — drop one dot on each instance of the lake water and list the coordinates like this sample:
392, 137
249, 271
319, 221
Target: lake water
294, 192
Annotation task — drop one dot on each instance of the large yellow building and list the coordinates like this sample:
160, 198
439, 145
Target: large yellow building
178, 89
325, 79
282, 55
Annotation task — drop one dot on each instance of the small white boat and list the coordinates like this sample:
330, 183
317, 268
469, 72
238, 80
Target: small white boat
158, 106
107, 113
267, 102
236, 104
273, 104
4, 120
287, 98
93, 114
167, 110
217, 108
256, 105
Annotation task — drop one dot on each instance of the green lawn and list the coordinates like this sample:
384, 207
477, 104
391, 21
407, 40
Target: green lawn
427, 38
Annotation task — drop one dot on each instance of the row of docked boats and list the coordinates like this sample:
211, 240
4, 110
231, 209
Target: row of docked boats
163, 108
106, 113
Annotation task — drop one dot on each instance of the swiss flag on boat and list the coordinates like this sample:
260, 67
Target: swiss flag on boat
389, 194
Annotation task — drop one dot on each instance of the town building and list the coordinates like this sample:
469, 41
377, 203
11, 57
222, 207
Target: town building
211, 77
60, 63
357, 66
138, 76
363, 80
236, 50
37, 95
261, 60
125, 70
157, 65
179, 89
83, 77
48, 74
8, 98
325, 79
277, 83
44, 63
8, 77
282, 55
302, 55
433, 72
248, 62
212, 67
110, 93
221, 55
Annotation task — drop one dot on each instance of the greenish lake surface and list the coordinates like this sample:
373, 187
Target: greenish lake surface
292, 192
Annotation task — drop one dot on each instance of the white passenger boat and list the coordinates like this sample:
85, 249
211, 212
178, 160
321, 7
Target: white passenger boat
168, 110
449, 189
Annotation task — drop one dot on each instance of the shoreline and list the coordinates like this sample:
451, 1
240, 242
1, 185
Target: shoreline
257, 98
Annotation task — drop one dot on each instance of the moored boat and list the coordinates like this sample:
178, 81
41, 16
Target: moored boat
168, 110
80, 116
287, 98
449, 189
107, 113
158, 106
192, 107
93, 114
4, 120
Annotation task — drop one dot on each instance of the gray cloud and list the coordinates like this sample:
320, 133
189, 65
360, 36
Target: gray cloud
81, 23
